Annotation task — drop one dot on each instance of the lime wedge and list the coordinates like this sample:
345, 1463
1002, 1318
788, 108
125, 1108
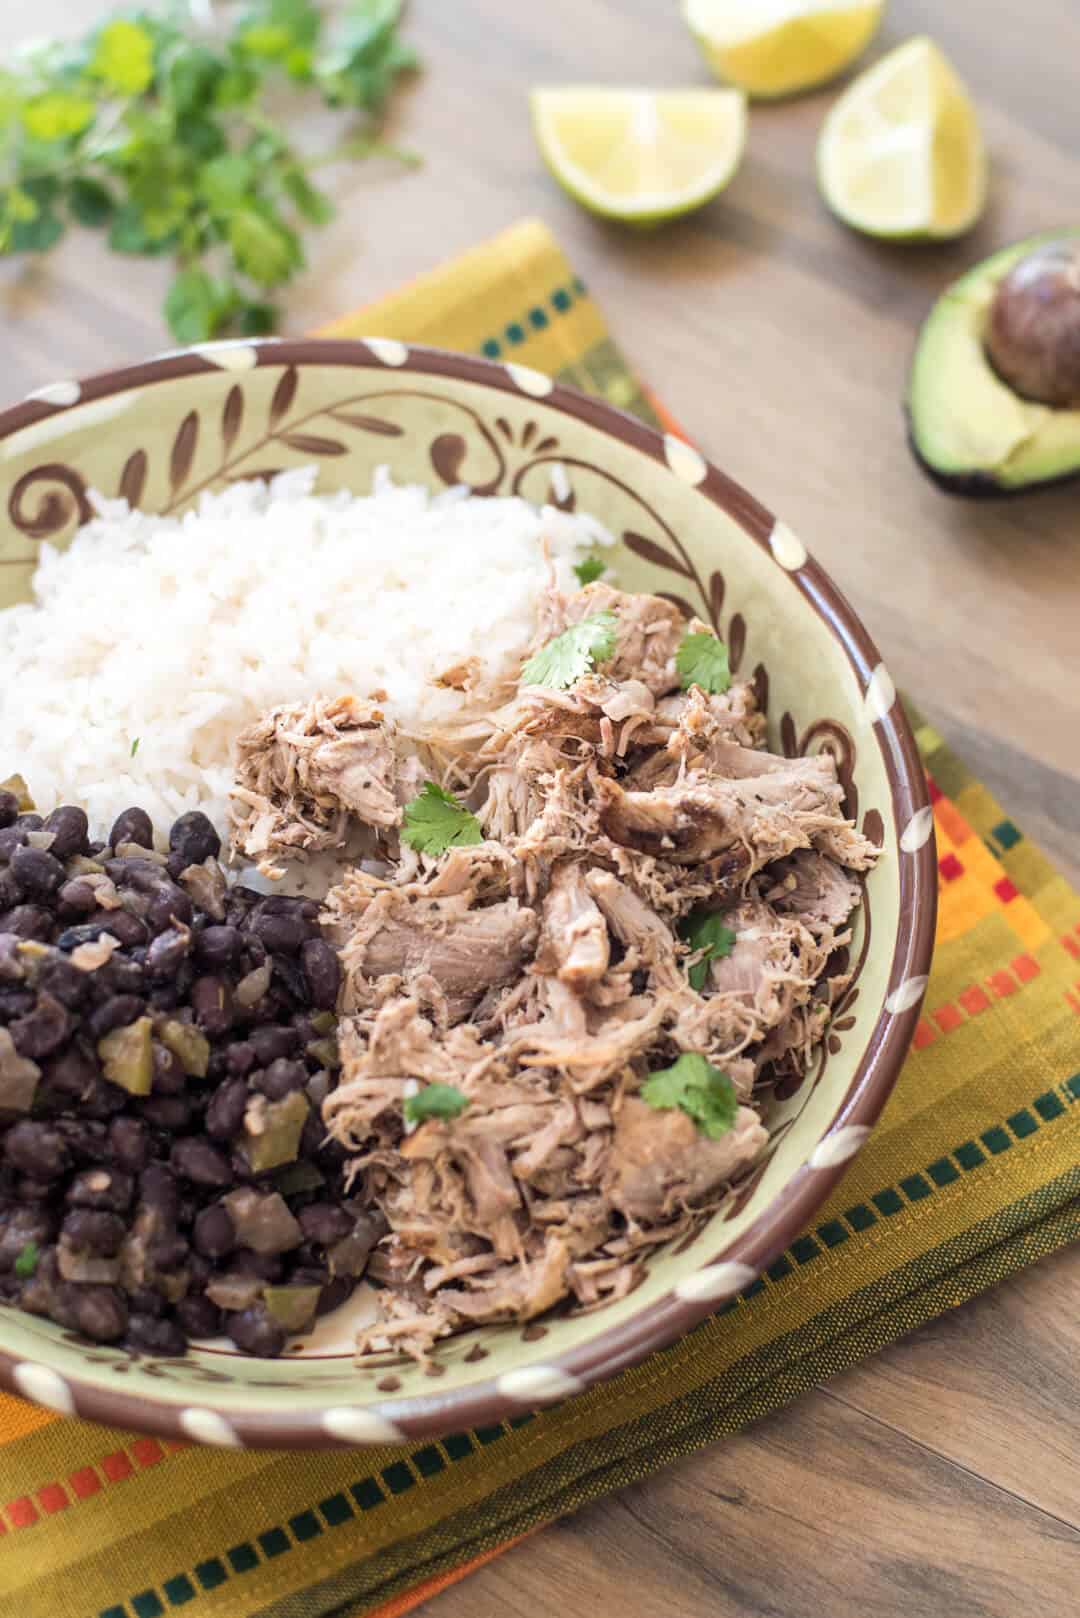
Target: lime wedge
641, 156
901, 153
777, 47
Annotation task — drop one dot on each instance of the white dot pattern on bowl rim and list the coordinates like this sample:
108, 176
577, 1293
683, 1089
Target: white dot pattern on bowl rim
44, 1386
684, 460
538, 1384
229, 356
387, 350
358, 1426
880, 694
60, 394
715, 1281
908, 994
209, 1427
839, 1146
787, 547
918, 831
529, 381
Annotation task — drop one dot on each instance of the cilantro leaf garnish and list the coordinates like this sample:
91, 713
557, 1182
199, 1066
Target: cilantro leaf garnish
703, 660
573, 653
26, 1261
704, 930
435, 821
697, 1088
435, 1101
169, 132
135, 746
589, 570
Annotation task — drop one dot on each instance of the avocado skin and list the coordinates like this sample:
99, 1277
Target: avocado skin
981, 483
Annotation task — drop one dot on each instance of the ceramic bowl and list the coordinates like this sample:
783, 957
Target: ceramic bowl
158, 433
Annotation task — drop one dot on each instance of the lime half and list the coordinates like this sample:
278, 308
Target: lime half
778, 47
901, 153
641, 156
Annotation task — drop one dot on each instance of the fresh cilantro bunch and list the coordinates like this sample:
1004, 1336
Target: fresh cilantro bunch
157, 128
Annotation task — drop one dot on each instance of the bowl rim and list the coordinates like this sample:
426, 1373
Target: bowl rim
490, 1402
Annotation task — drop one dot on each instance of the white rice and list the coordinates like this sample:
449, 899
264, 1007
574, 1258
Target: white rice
152, 641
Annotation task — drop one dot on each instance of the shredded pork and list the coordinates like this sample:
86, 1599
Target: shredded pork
543, 971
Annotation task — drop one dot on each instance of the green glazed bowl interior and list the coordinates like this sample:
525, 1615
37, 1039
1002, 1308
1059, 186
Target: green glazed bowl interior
160, 432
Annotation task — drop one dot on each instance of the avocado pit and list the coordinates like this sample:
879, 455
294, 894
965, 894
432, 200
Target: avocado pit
1033, 328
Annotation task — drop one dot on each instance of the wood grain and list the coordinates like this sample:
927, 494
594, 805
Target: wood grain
941, 1477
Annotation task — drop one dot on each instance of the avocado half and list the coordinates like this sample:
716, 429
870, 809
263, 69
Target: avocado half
969, 430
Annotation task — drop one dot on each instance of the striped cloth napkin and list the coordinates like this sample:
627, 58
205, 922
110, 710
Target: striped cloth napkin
972, 1174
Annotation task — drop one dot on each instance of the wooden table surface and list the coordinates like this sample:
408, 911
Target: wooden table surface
942, 1477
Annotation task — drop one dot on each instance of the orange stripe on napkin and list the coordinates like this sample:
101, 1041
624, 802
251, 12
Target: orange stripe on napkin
432, 1587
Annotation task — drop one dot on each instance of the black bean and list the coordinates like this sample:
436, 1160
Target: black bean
168, 905
322, 970
145, 1301
127, 929
21, 1226
225, 1112
87, 932
267, 1266
198, 1316
256, 1332
163, 997
42, 1030
193, 839
133, 826
219, 946
289, 981
311, 1136
70, 828
270, 1043
118, 1011
240, 1058
38, 873
107, 1188
65, 982
279, 1079
29, 922
281, 935
335, 1293
167, 951
100, 1233
212, 1000
16, 1003
171, 1113
129, 1143
166, 1339
239, 903
28, 1188
201, 1163
9, 808
10, 892
120, 975
169, 1078
100, 1312
30, 820
217, 1065
86, 1138
168, 1251
214, 1233
11, 838
158, 1190
324, 1223
134, 874
36, 1149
